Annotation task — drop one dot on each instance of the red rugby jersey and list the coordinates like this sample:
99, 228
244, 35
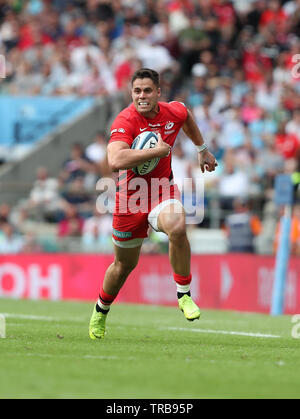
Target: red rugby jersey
168, 122
130, 123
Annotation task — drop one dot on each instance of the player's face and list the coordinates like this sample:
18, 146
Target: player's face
145, 97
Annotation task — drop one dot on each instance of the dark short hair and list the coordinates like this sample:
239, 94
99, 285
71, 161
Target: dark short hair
146, 73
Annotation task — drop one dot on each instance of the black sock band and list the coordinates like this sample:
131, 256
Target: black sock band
100, 310
181, 294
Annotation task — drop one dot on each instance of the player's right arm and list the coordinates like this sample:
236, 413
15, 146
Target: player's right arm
120, 156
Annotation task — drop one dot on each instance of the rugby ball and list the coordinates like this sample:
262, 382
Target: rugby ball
146, 139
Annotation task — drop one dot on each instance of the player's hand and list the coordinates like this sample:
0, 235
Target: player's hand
163, 148
207, 161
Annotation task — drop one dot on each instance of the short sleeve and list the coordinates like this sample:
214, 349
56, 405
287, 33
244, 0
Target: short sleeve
121, 130
179, 109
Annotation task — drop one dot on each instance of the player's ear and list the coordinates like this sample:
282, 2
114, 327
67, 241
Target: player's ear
159, 91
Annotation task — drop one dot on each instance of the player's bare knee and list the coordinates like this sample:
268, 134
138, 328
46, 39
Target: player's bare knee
177, 231
125, 268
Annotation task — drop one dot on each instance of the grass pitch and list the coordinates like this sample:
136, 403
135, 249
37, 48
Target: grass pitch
149, 352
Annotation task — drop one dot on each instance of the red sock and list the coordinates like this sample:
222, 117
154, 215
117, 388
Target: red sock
105, 300
182, 280
182, 284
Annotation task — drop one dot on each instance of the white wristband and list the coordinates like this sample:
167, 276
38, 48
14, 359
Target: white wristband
201, 147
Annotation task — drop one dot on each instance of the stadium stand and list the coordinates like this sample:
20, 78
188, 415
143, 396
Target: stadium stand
234, 63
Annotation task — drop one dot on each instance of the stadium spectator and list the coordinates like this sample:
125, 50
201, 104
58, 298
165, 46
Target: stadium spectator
250, 110
75, 194
226, 16
27, 82
180, 167
44, 198
96, 152
205, 119
232, 133
296, 178
4, 214
260, 128
199, 89
233, 182
192, 39
242, 227
92, 83
294, 232
31, 244
268, 95
293, 126
10, 241
97, 231
77, 164
273, 15
72, 224
287, 144
9, 30
271, 162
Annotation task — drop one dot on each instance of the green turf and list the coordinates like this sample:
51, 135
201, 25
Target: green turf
141, 357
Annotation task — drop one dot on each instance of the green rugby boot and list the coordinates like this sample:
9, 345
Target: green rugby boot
97, 325
189, 308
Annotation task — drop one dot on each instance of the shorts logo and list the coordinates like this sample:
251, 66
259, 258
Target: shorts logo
121, 130
122, 234
169, 125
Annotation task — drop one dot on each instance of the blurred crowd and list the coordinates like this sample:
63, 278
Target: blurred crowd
236, 64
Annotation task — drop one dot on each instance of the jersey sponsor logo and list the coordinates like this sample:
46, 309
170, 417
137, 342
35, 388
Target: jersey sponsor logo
122, 130
169, 132
154, 125
169, 125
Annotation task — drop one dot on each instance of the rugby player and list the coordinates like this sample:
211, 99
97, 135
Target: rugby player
165, 214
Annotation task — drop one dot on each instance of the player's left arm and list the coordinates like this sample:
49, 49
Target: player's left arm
207, 160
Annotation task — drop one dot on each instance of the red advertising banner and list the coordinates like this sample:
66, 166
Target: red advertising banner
231, 281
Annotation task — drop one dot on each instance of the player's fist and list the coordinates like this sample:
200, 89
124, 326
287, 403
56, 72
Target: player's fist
207, 161
163, 148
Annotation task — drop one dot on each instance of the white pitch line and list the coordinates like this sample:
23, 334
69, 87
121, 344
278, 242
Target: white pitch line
101, 357
45, 318
220, 332
224, 332
28, 317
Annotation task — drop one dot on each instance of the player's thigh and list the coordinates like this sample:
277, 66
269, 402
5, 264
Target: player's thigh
172, 220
